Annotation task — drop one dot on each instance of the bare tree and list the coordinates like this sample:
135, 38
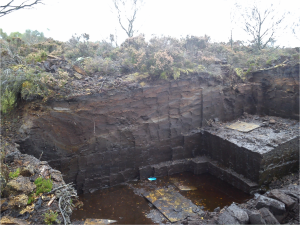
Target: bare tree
232, 25
262, 23
12, 6
296, 25
127, 10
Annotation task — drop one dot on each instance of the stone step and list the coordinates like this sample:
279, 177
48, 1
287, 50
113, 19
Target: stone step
198, 165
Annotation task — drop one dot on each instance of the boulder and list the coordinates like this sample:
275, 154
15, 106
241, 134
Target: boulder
268, 216
4, 204
240, 214
9, 158
79, 70
287, 200
292, 190
11, 220
56, 175
47, 66
18, 201
227, 218
77, 75
27, 171
275, 206
20, 185
255, 217
272, 121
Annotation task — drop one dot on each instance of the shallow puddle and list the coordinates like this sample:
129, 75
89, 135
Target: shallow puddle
125, 204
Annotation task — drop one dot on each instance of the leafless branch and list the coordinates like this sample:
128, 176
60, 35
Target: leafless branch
65, 193
129, 18
260, 24
9, 7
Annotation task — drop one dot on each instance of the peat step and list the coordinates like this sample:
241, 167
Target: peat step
198, 165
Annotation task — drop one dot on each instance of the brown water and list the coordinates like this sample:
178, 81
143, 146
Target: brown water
125, 204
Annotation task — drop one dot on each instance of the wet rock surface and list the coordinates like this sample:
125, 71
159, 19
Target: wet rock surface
268, 217
280, 196
276, 207
254, 215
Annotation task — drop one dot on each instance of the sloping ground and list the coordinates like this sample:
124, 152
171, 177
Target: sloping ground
16, 191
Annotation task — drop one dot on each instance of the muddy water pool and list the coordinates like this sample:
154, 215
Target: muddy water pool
126, 205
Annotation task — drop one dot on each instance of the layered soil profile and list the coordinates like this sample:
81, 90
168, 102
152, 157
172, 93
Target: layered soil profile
104, 139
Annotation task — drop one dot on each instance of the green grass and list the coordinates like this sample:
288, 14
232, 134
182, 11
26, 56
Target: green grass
30, 199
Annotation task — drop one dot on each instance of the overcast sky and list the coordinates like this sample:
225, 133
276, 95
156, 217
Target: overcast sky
60, 19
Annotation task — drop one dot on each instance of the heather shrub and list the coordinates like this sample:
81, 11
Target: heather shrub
35, 57
50, 46
103, 66
193, 44
137, 42
54, 80
8, 101
79, 46
50, 217
162, 64
24, 81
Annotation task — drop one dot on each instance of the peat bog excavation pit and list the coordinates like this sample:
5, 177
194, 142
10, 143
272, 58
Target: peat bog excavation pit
208, 144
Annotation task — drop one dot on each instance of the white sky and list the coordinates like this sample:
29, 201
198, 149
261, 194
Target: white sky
60, 19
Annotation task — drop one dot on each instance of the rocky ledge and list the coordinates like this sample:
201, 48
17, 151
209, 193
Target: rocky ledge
279, 205
20, 201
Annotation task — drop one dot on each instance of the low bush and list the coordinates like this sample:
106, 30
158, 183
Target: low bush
43, 185
14, 174
27, 82
50, 217
103, 66
35, 57
30, 198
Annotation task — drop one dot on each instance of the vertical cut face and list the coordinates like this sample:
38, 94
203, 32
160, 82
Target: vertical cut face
259, 148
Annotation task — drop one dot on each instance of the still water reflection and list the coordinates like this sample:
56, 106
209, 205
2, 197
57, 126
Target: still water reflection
125, 204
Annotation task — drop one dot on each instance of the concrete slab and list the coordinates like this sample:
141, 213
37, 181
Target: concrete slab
172, 204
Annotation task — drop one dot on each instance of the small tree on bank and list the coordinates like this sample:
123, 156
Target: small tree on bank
127, 12
262, 24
